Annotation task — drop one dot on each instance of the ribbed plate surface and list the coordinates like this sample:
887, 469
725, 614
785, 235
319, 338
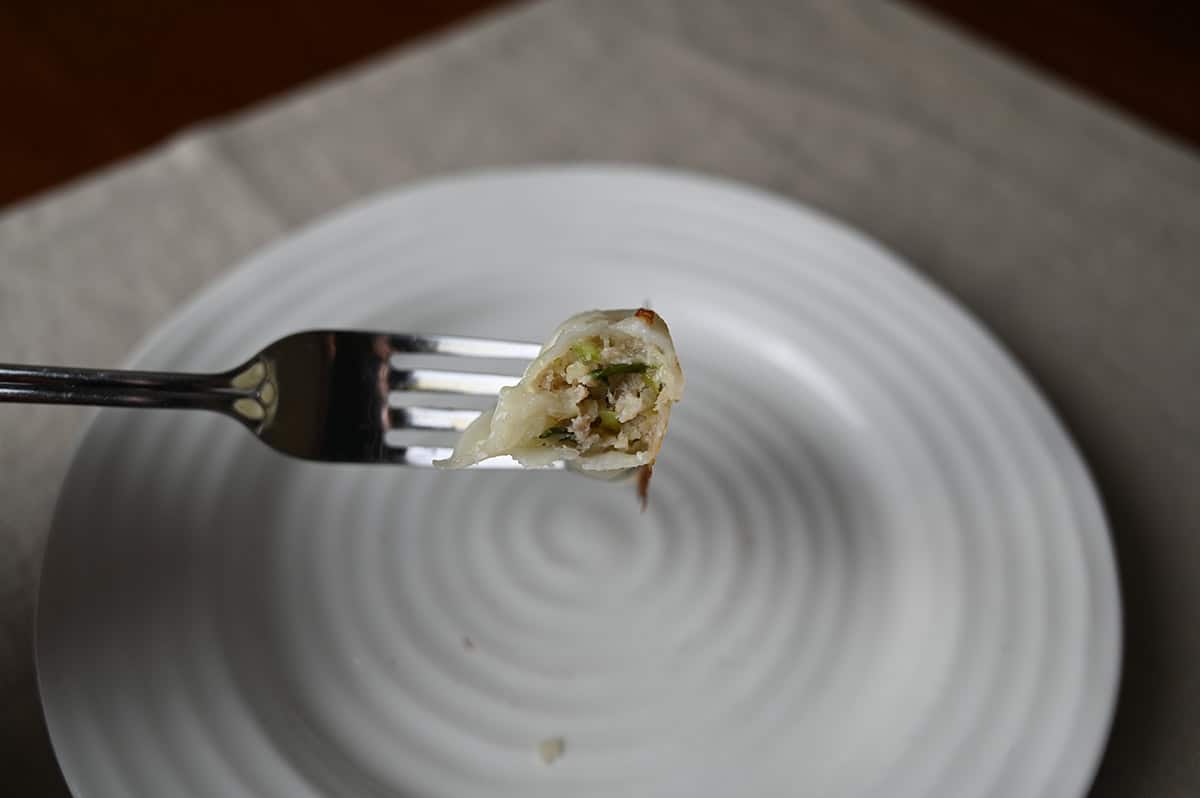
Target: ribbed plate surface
873, 564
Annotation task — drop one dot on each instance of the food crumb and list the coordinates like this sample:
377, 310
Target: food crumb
552, 748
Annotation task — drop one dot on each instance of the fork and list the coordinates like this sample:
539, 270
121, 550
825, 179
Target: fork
319, 395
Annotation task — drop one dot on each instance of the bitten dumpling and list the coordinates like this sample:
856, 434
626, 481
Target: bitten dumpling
599, 395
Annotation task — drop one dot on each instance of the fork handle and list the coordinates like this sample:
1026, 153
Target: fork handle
76, 386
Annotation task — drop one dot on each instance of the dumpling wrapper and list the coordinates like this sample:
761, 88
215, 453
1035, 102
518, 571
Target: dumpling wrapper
598, 396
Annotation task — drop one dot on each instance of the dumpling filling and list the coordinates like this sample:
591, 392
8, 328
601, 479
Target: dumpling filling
600, 393
611, 394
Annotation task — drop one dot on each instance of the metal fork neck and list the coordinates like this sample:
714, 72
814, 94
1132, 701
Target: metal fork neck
112, 388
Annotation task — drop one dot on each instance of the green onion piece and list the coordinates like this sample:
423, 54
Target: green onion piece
619, 368
652, 385
588, 351
561, 433
609, 421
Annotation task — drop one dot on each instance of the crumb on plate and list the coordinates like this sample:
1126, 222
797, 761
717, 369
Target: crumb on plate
552, 748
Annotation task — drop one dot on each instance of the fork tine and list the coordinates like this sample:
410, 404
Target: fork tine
432, 418
434, 380
439, 381
463, 346
423, 457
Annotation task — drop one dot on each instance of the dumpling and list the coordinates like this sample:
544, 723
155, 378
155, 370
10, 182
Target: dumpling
598, 395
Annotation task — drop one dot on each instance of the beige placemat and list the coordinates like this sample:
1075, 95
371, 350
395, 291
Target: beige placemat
1073, 233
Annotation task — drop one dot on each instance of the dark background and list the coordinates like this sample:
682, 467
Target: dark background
85, 82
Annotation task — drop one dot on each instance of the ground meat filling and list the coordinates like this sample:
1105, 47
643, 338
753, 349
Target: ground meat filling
612, 383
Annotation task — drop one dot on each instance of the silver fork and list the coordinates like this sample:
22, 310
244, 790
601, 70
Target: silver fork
320, 395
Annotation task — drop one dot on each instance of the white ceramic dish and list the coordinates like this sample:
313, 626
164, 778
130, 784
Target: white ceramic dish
873, 563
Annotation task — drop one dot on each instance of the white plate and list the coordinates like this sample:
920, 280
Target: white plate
873, 563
